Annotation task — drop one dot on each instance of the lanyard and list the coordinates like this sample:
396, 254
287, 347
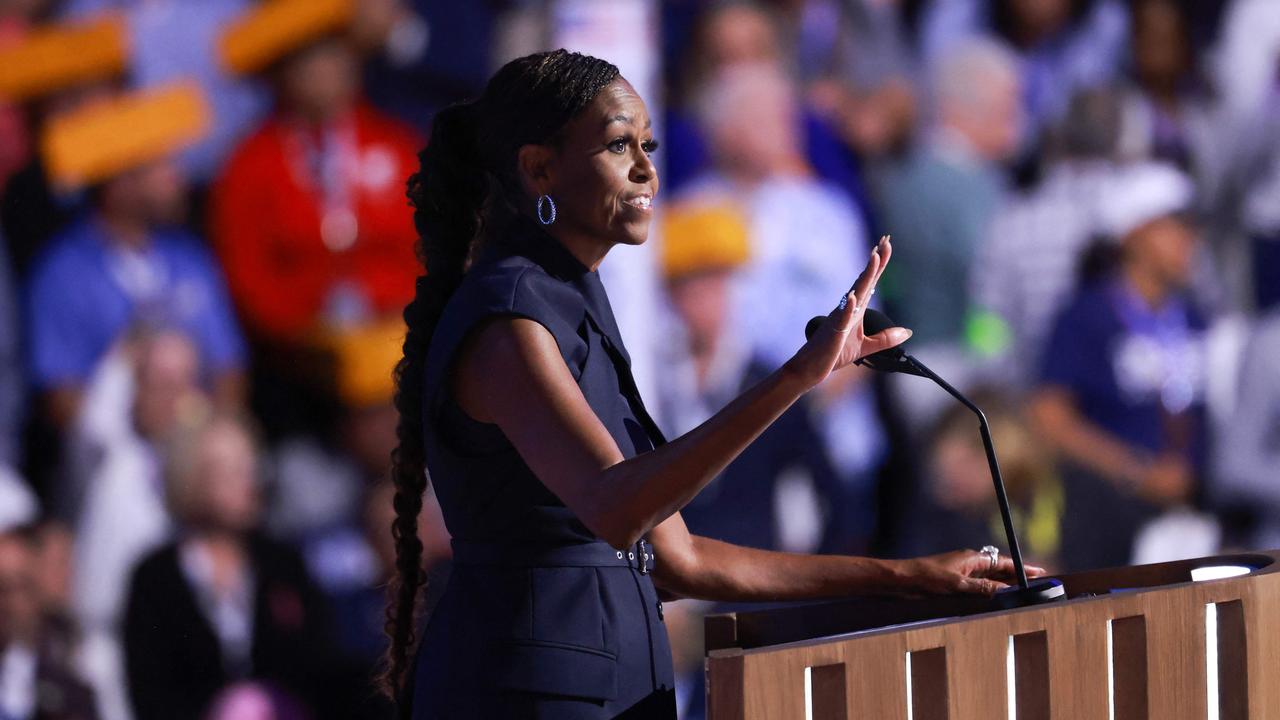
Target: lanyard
326, 160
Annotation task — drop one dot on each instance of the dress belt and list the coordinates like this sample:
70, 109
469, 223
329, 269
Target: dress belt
596, 554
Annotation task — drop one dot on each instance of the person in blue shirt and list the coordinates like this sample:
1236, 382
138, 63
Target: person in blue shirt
1121, 386
126, 264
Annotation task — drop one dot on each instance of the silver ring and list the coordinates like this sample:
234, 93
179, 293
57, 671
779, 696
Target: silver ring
992, 553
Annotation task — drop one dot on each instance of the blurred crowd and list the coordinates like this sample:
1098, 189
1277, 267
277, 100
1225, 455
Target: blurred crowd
205, 249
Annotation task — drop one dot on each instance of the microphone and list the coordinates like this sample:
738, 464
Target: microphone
873, 321
895, 360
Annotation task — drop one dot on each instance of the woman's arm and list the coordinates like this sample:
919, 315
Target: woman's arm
698, 567
510, 373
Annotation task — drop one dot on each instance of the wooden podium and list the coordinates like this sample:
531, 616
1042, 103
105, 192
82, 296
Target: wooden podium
1136, 642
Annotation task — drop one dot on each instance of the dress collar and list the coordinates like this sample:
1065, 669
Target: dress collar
532, 241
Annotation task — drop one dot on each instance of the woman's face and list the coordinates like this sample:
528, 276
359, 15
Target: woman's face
602, 177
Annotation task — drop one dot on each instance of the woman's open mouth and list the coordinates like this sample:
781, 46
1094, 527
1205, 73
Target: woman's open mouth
642, 202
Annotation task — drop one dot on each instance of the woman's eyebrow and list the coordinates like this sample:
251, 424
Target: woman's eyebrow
626, 120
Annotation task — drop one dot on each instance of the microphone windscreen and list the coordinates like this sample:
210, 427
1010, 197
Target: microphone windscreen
873, 321
812, 326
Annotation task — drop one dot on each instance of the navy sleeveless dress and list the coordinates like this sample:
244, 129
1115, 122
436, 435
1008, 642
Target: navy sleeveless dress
540, 618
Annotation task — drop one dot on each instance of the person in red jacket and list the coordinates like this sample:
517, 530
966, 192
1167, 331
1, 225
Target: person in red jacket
309, 216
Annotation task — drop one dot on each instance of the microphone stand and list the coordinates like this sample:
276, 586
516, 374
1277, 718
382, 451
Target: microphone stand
1025, 593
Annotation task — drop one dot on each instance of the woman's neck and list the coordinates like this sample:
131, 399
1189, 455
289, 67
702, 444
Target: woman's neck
588, 250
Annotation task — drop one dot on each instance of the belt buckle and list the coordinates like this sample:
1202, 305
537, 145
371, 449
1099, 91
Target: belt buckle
643, 553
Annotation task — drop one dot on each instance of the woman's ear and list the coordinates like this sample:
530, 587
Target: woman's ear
533, 163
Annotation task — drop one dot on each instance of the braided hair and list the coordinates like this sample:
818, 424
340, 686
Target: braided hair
466, 189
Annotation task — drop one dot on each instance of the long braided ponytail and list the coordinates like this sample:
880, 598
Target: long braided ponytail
465, 190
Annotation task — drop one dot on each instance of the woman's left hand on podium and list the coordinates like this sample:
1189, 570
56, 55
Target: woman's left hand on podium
960, 571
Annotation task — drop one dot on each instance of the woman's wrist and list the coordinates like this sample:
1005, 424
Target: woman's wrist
794, 376
888, 577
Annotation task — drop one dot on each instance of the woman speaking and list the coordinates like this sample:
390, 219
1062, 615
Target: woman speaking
515, 394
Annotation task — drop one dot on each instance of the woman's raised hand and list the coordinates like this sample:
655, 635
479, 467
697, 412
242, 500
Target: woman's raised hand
840, 340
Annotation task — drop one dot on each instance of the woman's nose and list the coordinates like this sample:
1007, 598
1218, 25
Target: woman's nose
643, 169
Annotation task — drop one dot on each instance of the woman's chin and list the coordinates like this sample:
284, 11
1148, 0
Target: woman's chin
634, 233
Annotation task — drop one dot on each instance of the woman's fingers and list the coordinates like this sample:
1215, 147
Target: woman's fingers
1006, 570
982, 586
883, 340
846, 314
885, 248
1002, 569
867, 280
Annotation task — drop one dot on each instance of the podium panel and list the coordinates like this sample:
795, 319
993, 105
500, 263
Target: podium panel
1130, 643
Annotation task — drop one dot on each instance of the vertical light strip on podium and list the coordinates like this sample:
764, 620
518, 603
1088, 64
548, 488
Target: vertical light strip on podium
808, 693
826, 694
1010, 681
910, 705
926, 684
1211, 657
1111, 676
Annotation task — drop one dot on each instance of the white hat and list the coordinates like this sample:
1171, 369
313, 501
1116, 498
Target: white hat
18, 505
1141, 193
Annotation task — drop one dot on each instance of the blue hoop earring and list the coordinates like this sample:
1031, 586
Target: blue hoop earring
552, 204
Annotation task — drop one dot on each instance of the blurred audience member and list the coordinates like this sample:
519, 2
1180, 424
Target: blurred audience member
1121, 387
1249, 203
959, 506
745, 33
709, 362
1168, 115
1027, 264
126, 261
309, 214
221, 603
1063, 46
856, 58
36, 682
806, 237
142, 390
1248, 449
309, 220
939, 202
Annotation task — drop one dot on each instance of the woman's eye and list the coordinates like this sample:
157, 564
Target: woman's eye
618, 146
650, 147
